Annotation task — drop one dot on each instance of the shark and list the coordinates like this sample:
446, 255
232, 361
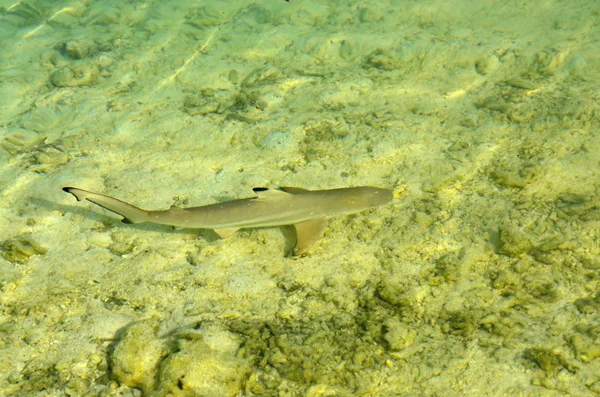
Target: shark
307, 210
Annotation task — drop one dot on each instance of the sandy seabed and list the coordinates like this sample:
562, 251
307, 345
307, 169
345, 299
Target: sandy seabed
480, 279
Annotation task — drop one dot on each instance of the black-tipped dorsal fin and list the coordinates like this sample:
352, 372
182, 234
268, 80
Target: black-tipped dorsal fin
264, 193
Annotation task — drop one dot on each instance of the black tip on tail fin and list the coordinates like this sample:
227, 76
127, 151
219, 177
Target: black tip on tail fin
68, 190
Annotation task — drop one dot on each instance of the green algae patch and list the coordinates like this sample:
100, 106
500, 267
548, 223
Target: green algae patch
548, 360
136, 356
20, 249
182, 364
588, 305
397, 334
586, 349
19, 140
195, 369
514, 241
80, 73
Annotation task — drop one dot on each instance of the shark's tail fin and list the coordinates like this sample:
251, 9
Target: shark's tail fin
130, 213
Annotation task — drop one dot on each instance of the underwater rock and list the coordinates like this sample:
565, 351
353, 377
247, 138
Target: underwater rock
575, 205
51, 155
325, 130
195, 369
540, 288
516, 170
39, 156
135, 358
514, 241
47, 118
262, 76
208, 101
349, 49
508, 178
181, 365
398, 335
370, 14
22, 14
19, 249
382, 59
586, 349
233, 76
460, 322
588, 305
46, 157
546, 359
121, 247
591, 263
391, 290
207, 16
487, 64
75, 75
19, 140
80, 48
279, 142
545, 251
407, 300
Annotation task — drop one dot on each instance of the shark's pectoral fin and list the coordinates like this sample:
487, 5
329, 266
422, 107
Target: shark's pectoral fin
307, 233
224, 233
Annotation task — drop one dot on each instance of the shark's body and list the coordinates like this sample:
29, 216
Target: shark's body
305, 209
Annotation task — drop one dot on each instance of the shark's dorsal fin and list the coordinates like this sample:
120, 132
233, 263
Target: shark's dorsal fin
307, 233
264, 193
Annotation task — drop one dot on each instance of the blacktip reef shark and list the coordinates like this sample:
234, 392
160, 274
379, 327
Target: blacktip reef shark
307, 210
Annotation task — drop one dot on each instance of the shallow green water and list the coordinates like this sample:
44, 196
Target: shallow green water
481, 279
